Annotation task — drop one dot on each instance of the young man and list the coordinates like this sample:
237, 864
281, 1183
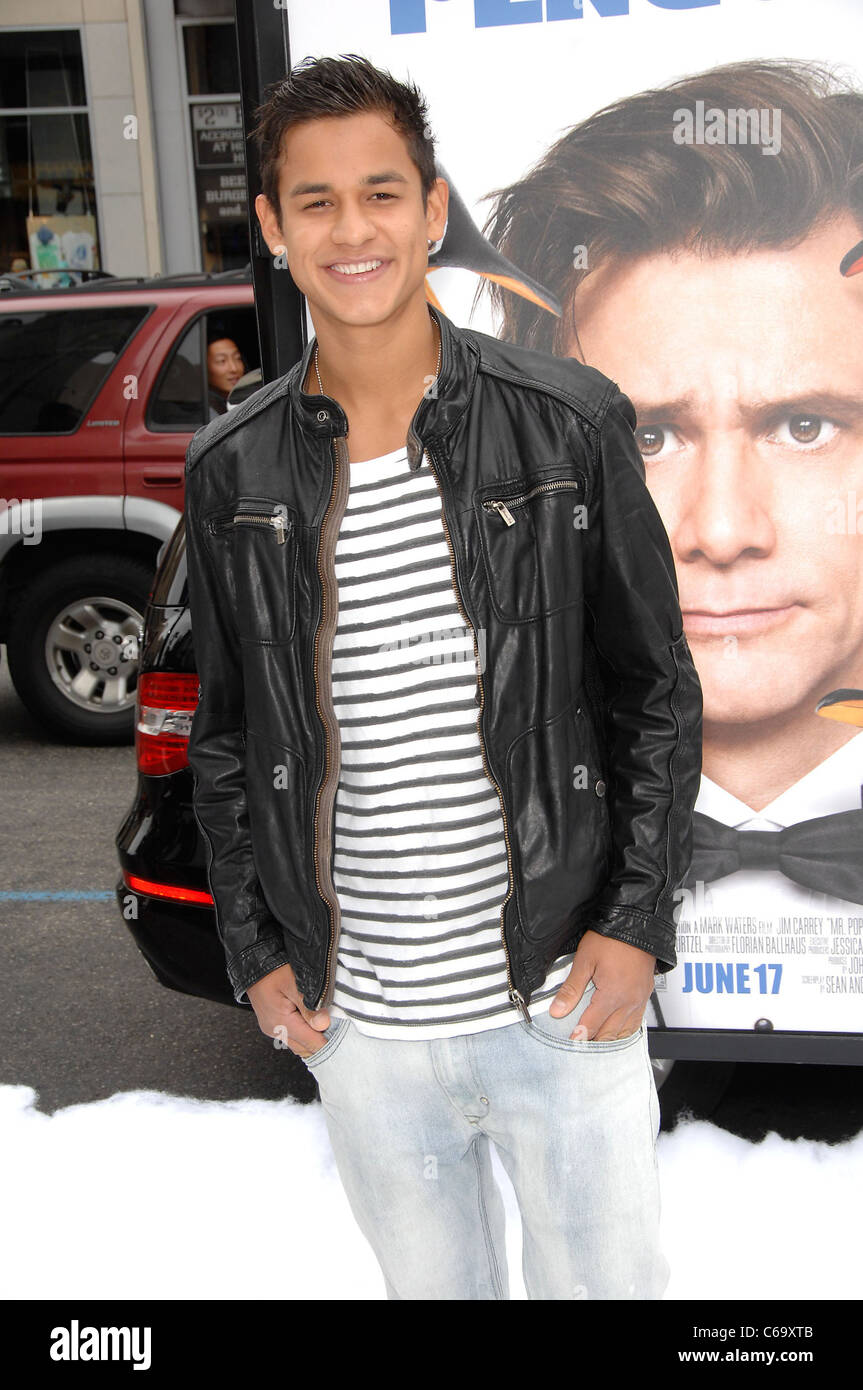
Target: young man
448, 736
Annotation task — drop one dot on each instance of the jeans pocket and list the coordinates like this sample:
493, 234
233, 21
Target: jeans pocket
334, 1035
554, 1032
607, 1044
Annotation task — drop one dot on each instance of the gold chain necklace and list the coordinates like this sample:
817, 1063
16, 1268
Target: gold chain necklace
437, 368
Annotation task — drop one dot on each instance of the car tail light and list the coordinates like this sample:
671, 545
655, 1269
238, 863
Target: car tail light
166, 702
149, 888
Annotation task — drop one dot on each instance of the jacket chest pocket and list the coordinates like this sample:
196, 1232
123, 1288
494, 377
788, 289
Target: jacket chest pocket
259, 540
530, 533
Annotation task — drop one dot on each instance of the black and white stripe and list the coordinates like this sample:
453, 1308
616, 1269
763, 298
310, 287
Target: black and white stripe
419, 856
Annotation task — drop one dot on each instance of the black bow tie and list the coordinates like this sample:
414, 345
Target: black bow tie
825, 853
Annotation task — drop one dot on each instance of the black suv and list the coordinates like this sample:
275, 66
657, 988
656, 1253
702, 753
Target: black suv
163, 892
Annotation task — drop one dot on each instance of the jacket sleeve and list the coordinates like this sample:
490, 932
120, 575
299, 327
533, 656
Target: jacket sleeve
251, 937
652, 716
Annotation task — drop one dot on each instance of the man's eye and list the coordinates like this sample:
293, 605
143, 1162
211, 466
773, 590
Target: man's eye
383, 195
804, 427
655, 441
318, 204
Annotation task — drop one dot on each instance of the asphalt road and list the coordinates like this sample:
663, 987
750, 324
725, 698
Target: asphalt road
82, 1016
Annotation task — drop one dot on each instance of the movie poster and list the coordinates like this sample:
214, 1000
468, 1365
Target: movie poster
679, 187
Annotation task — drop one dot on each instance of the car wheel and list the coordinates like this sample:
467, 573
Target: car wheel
73, 646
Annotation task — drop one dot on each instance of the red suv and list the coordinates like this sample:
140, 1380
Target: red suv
102, 385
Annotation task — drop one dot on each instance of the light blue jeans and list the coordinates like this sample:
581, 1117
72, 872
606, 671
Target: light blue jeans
575, 1125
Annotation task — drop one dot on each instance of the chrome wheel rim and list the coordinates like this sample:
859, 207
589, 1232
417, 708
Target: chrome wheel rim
92, 649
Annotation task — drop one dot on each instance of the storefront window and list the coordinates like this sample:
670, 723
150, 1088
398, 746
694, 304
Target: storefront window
41, 68
47, 193
211, 59
218, 153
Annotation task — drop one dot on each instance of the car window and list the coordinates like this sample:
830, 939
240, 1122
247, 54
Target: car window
177, 401
216, 349
54, 361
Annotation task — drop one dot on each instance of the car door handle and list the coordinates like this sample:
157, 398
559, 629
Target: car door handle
163, 480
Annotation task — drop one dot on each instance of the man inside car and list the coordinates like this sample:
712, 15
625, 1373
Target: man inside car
225, 366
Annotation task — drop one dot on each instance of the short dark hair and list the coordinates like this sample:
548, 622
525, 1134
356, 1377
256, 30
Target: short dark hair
343, 86
620, 186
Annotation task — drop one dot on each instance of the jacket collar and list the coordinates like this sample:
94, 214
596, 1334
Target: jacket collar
436, 413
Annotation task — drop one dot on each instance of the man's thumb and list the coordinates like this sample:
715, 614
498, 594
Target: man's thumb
317, 1020
568, 996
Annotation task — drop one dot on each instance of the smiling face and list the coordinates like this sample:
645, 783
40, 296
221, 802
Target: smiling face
225, 364
746, 373
352, 218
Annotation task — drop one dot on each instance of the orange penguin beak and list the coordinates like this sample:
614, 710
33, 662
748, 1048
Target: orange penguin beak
844, 705
852, 262
465, 248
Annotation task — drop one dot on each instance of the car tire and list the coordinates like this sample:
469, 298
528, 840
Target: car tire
65, 608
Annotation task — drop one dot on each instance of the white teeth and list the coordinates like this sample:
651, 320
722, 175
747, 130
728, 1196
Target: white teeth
359, 268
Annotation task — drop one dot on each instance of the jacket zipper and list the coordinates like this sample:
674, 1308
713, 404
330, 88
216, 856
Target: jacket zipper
276, 521
329, 783
503, 507
515, 998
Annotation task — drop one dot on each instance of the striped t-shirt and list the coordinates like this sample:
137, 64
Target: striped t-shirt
419, 854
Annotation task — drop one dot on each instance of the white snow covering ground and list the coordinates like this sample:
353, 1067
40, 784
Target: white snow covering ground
149, 1195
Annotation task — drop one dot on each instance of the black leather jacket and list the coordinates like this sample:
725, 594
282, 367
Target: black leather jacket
588, 703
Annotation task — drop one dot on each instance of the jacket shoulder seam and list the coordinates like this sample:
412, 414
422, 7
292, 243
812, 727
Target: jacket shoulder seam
236, 417
594, 415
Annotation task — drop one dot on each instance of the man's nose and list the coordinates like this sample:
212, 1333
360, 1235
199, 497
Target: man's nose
352, 224
725, 505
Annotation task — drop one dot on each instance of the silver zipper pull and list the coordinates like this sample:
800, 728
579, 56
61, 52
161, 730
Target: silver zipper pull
518, 1001
279, 524
503, 510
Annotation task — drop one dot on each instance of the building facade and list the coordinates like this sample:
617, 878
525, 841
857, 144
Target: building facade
121, 142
